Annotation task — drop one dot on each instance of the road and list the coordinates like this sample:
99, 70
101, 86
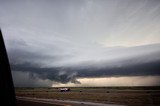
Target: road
27, 101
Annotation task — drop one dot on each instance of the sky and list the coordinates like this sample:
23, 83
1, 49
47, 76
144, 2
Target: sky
56, 43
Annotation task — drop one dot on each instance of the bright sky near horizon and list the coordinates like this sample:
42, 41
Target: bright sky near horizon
77, 42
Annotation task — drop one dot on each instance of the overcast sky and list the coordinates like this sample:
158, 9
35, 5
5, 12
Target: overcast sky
82, 42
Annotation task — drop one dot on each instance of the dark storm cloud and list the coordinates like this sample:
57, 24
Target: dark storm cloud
51, 41
26, 79
141, 65
53, 74
146, 69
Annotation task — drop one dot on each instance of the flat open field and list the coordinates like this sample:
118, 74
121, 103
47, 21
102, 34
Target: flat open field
130, 96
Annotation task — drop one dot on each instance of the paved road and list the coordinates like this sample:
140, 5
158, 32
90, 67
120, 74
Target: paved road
31, 103
27, 101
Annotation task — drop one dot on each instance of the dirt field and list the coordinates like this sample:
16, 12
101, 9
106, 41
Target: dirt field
130, 96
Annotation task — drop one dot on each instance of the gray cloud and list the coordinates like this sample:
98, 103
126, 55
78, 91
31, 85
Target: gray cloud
26, 79
133, 61
60, 41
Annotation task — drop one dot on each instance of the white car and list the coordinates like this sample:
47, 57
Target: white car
64, 89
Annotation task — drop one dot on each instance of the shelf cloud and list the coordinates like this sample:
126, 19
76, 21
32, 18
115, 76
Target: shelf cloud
61, 42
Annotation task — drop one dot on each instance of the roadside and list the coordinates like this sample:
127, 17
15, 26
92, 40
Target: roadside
55, 102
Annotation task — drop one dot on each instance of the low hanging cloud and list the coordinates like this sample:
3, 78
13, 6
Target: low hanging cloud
27, 79
66, 60
60, 42
125, 61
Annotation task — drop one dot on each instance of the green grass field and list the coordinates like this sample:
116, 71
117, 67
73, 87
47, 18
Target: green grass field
131, 96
